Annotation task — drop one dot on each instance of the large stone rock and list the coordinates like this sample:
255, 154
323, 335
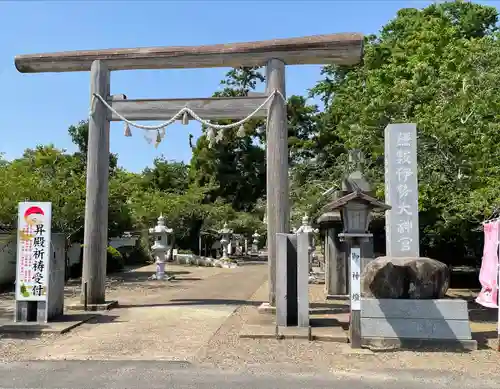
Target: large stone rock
405, 278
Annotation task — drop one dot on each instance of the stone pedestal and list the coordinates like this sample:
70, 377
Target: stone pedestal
292, 280
160, 270
53, 306
336, 280
396, 323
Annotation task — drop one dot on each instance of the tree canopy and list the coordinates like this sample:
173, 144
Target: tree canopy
437, 66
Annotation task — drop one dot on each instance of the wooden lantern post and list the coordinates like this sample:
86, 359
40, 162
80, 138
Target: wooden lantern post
355, 208
341, 49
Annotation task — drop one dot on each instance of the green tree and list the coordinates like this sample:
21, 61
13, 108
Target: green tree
236, 166
167, 176
79, 135
39, 175
436, 67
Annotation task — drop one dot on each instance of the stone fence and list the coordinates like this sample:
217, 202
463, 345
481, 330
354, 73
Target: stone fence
195, 260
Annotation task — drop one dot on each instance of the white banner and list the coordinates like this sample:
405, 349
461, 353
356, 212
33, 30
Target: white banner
355, 279
33, 250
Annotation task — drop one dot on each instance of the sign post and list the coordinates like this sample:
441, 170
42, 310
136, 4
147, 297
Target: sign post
355, 293
34, 253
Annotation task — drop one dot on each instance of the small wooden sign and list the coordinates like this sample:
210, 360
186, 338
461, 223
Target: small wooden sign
355, 279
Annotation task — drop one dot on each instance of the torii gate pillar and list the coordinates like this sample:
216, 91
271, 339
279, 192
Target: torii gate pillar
95, 241
278, 208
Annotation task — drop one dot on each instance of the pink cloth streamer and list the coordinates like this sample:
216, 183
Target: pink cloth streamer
488, 296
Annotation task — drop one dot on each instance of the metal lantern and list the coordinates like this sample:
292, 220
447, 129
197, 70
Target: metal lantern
356, 216
355, 210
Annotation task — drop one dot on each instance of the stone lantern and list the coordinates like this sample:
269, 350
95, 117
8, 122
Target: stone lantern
307, 228
255, 242
160, 247
226, 234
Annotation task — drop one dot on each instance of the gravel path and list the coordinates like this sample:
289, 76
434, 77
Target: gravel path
155, 320
202, 300
227, 351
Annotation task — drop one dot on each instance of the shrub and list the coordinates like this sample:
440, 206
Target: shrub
140, 253
114, 261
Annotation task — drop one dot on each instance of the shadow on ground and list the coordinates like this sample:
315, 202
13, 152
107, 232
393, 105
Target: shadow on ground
132, 280
484, 339
251, 262
11, 330
103, 319
194, 302
328, 322
328, 308
129, 277
480, 314
483, 323
483, 320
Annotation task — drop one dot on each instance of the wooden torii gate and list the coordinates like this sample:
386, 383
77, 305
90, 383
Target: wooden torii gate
342, 49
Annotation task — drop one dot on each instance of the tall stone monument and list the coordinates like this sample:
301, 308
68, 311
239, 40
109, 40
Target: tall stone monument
401, 190
404, 300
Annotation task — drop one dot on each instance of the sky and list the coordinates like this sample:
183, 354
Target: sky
38, 108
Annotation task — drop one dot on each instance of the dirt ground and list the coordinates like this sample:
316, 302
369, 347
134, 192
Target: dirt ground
227, 350
156, 320
199, 316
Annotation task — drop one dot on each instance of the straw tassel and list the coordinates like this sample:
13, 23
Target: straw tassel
158, 139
